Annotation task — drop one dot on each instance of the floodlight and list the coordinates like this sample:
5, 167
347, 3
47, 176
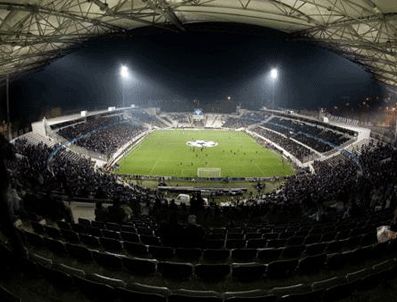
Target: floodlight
124, 73
274, 73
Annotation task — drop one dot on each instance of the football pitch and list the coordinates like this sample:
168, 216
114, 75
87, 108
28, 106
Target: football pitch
181, 152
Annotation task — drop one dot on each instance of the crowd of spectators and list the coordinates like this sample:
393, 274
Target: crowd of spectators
180, 118
245, 120
364, 182
350, 187
314, 136
300, 152
38, 169
140, 116
102, 135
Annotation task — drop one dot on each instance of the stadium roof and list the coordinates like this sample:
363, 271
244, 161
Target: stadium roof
34, 32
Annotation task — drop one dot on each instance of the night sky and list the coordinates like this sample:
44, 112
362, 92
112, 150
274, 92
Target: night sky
206, 63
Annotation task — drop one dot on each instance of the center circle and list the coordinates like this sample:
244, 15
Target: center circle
201, 144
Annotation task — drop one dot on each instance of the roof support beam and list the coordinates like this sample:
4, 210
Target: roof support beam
163, 8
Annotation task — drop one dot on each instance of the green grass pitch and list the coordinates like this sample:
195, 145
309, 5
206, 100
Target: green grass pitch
165, 153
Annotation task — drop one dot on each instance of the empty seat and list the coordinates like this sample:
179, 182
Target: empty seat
249, 236
95, 291
33, 239
235, 243
79, 228
343, 234
175, 270
107, 260
244, 255
337, 292
70, 236
269, 254
58, 278
150, 240
326, 283
55, 246
281, 268
136, 249
79, 252
7, 296
312, 264
111, 245
188, 254
385, 269
98, 224
333, 247
85, 222
111, 234
314, 249
70, 270
216, 255
212, 272
276, 242
161, 252
128, 228
38, 228
356, 278
94, 231
113, 226
326, 237
256, 243
270, 236
140, 266
128, 295
238, 236
292, 251
290, 289
41, 260
312, 238
305, 296
191, 297
214, 244
248, 271
335, 261
215, 236
52, 232
295, 240
129, 236
106, 280
256, 295
362, 254
368, 238
182, 295
90, 241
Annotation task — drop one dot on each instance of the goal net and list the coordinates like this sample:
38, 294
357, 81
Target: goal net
209, 172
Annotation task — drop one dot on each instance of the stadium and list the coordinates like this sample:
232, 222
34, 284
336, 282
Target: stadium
198, 151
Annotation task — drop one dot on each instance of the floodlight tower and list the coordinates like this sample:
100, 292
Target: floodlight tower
124, 75
273, 77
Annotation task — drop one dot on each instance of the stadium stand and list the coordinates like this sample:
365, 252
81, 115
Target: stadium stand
103, 135
246, 119
317, 137
314, 239
299, 151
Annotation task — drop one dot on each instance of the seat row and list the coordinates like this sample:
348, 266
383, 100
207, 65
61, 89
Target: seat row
108, 239
247, 268
217, 254
99, 287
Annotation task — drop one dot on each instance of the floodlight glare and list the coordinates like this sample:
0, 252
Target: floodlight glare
124, 71
274, 73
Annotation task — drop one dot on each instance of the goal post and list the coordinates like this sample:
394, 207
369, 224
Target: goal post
209, 172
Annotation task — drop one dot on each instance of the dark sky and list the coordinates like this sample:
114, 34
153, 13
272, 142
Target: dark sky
208, 63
